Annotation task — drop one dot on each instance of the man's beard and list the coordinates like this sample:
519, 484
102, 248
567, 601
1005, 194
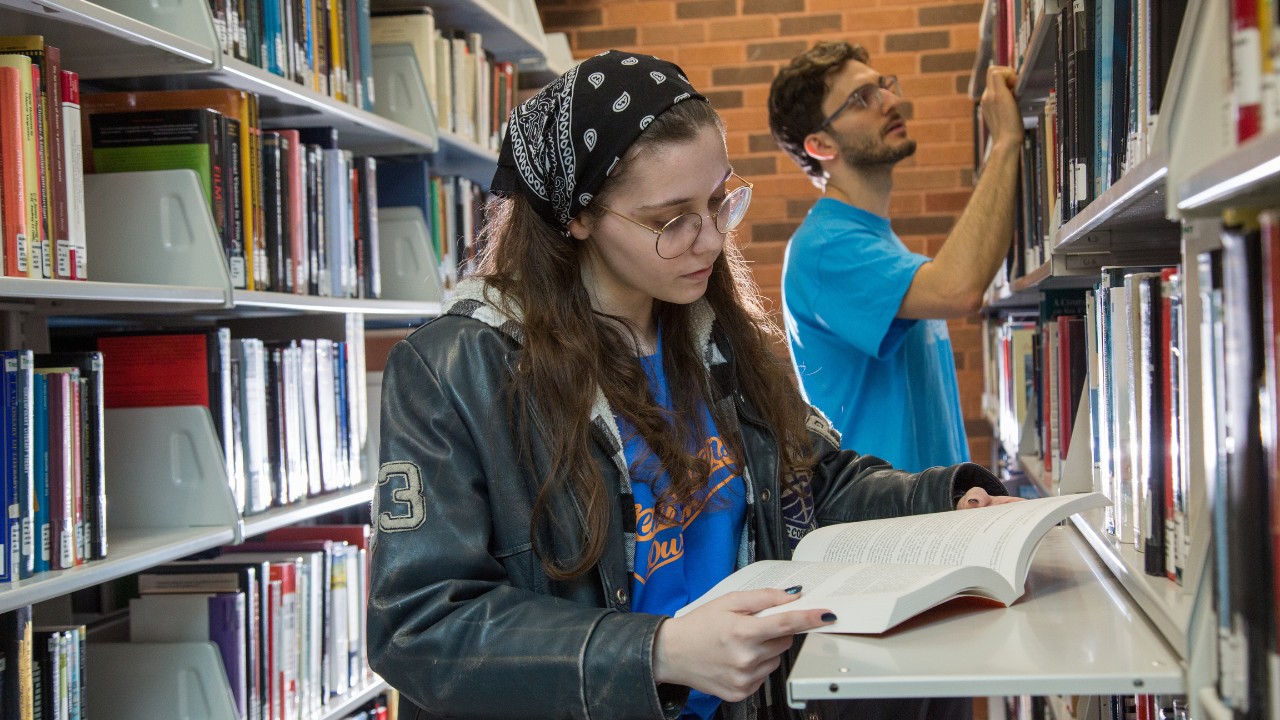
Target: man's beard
868, 152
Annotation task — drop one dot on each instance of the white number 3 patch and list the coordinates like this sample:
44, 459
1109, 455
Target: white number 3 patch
408, 506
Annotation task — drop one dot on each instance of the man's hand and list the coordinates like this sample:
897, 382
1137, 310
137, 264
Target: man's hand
1000, 107
722, 649
977, 497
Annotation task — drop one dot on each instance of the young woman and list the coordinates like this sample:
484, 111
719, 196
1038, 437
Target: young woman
598, 429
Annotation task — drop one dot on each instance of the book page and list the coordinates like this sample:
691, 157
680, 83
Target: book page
1000, 537
865, 598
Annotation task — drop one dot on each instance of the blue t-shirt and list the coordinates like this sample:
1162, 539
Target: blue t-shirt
887, 384
676, 564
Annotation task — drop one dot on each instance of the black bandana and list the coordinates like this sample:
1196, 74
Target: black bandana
562, 143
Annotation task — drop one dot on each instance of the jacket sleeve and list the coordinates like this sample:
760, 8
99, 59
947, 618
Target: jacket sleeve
848, 486
446, 624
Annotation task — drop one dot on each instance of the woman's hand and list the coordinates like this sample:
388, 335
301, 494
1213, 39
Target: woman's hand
977, 497
723, 650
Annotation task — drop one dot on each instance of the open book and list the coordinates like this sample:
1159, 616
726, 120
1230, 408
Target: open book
877, 573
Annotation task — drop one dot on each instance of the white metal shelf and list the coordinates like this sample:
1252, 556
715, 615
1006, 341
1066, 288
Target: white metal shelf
131, 550
459, 155
63, 297
276, 302
1249, 175
283, 516
1164, 602
1075, 631
503, 36
285, 103
98, 42
1128, 215
342, 706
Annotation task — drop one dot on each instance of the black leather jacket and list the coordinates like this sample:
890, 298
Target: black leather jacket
462, 619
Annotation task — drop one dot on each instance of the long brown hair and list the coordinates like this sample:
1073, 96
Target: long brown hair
570, 350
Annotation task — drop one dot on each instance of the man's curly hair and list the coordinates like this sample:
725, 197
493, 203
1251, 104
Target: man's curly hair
796, 95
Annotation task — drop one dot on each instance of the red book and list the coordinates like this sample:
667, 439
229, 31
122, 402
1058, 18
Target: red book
1071, 376
13, 189
1246, 68
62, 491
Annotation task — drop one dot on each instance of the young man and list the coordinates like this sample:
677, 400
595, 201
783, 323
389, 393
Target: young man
865, 317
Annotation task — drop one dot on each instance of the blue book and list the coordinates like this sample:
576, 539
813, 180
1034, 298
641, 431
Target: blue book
40, 434
1104, 46
364, 89
406, 182
11, 543
273, 38
19, 378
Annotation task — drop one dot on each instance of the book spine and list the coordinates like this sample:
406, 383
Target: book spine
73, 159
13, 215
59, 248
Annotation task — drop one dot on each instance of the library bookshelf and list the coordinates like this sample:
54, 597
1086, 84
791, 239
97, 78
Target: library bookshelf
1165, 208
157, 259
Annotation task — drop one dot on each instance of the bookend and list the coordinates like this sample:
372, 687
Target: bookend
182, 679
409, 268
188, 19
166, 469
402, 92
1077, 469
154, 228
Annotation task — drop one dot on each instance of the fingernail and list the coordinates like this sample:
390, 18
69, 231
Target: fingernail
828, 617
793, 590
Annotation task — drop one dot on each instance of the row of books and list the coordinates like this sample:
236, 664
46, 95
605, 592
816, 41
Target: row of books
286, 612
1116, 348
290, 414
42, 668
472, 92
1112, 63
1099, 707
1255, 66
452, 207
295, 212
41, 183
1239, 291
54, 482
320, 44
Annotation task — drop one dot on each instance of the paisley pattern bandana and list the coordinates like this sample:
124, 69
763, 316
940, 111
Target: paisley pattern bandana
562, 143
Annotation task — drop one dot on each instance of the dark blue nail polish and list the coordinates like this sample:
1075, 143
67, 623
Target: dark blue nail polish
793, 590
828, 617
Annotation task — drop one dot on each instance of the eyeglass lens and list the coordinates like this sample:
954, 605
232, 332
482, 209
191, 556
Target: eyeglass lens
681, 233
869, 95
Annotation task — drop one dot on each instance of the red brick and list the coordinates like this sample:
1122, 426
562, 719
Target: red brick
639, 13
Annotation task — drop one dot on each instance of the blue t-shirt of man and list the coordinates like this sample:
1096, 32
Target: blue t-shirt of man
887, 384
676, 562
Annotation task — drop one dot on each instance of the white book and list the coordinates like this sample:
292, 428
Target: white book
878, 573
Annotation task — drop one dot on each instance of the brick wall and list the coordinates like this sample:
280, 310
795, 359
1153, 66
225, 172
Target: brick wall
731, 49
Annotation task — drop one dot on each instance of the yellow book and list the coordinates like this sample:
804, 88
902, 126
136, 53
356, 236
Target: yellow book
28, 259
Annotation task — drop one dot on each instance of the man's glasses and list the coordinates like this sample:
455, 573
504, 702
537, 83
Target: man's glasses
865, 97
680, 233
